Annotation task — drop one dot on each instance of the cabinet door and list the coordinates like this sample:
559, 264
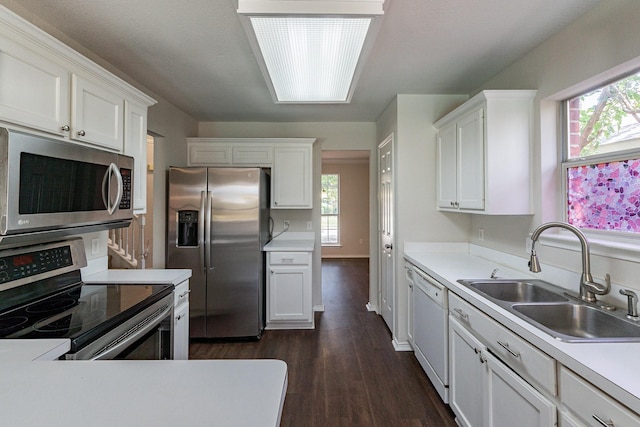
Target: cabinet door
511, 401
289, 293
410, 304
466, 373
135, 145
181, 333
446, 167
471, 161
208, 154
34, 91
96, 114
291, 182
252, 155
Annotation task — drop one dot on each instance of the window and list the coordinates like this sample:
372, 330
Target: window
602, 158
330, 219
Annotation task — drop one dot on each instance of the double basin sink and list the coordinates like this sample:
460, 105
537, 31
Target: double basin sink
553, 310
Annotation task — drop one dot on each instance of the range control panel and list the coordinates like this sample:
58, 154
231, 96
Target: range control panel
20, 266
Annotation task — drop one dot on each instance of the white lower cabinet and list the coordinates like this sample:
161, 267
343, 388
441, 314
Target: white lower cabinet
486, 391
289, 299
589, 406
466, 385
511, 401
181, 321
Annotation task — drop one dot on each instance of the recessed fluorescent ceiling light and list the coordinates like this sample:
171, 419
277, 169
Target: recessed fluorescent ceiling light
311, 57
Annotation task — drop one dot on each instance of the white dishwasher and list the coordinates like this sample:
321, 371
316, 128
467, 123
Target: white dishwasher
431, 342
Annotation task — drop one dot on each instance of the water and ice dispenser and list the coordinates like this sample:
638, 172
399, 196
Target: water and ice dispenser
188, 228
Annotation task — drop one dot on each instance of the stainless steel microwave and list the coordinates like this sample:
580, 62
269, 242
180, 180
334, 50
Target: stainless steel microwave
50, 187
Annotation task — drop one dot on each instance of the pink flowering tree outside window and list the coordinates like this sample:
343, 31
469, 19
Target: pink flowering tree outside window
605, 196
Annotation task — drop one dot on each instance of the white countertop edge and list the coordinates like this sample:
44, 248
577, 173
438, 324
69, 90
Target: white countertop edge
292, 242
20, 350
140, 277
163, 393
606, 365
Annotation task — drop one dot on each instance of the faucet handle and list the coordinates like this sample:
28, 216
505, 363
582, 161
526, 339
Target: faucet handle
632, 303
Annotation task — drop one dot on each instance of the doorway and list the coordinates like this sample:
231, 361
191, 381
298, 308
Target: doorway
345, 208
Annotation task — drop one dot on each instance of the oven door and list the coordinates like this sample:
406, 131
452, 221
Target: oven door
146, 336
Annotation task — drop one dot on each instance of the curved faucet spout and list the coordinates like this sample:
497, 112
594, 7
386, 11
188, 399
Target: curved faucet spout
588, 288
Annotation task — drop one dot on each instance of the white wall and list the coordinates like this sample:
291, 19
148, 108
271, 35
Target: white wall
330, 136
410, 118
572, 61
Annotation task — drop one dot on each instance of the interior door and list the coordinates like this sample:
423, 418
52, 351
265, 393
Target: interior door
385, 230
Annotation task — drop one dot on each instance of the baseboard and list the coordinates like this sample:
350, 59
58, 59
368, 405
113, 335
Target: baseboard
318, 307
345, 256
372, 307
401, 346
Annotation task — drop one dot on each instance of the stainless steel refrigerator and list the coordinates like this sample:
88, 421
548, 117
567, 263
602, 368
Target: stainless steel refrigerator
217, 225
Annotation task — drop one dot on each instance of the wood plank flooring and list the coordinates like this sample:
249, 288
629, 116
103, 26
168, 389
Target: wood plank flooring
345, 372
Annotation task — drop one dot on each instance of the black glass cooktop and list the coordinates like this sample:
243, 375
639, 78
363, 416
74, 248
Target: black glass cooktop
81, 312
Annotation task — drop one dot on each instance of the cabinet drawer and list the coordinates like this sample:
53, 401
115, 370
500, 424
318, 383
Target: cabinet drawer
288, 258
589, 402
520, 355
181, 294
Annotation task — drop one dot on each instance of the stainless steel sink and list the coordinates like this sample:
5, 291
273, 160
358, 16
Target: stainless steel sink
555, 311
515, 290
576, 321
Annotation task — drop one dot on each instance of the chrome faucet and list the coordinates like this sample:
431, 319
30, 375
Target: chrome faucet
588, 288
632, 303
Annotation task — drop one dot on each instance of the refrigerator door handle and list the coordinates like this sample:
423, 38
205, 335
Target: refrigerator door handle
201, 232
207, 231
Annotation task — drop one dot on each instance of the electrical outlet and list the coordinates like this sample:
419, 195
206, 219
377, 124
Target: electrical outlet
481, 234
309, 225
95, 246
286, 224
527, 245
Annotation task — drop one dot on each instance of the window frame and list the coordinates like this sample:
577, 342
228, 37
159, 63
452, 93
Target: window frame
566, 162
336, 215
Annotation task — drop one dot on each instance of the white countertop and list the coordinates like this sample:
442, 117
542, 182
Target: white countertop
234, 393
145, 276
613, 367
294, 242
17, 350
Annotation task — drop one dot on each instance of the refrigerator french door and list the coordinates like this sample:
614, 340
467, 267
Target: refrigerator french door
218, 221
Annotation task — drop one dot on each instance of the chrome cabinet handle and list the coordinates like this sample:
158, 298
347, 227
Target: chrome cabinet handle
184, 294
505, 345
81, 133
388, 246
65, 128
461, 313
603, 422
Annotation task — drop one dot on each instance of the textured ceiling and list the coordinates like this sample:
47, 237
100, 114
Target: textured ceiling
195, 54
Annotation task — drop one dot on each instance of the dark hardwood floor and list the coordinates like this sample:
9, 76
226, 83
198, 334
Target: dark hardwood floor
345, 372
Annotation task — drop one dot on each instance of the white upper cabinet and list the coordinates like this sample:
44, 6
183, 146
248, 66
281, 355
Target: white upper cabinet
46, 86
34, 91
292, 178
135, 145
96, 114
483, 154
290, 160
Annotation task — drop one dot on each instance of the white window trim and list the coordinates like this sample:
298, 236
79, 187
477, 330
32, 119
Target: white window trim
618, 247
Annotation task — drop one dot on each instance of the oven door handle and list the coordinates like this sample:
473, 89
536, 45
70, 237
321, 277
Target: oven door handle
124, 340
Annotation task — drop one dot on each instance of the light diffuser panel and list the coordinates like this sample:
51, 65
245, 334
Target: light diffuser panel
311, 59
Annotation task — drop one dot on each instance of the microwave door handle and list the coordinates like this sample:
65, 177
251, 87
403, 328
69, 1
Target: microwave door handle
201, 227
106, 188
116, 203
